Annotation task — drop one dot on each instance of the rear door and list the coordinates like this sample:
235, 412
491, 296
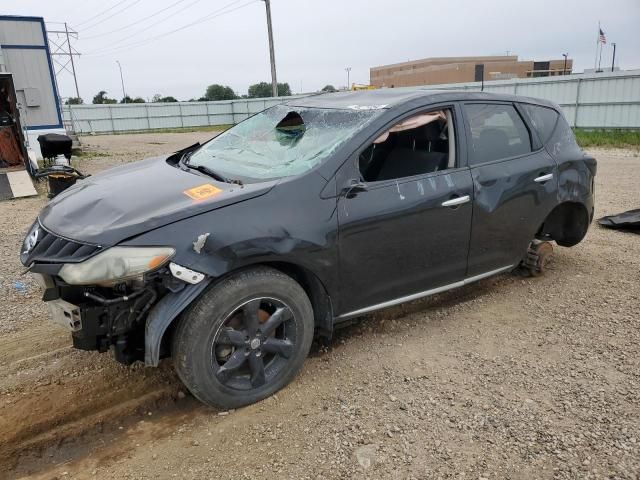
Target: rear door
514, 181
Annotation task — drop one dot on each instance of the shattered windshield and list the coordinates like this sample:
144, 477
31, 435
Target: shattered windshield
279, 142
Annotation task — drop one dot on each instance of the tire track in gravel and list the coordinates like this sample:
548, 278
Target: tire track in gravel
61, 393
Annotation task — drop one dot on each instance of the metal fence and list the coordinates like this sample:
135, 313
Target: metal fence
112, 118
603, 100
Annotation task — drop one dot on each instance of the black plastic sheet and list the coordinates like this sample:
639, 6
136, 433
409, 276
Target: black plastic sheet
628, 221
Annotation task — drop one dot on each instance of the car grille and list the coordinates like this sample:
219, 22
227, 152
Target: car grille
50, 248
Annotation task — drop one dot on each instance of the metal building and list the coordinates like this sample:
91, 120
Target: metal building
24, 52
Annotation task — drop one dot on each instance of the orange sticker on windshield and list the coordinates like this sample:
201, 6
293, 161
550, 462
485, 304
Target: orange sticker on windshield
202, 192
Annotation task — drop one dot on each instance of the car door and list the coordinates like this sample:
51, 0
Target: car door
514, 182
403, 235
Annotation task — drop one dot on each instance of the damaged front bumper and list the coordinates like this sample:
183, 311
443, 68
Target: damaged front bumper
130, 319
128, 316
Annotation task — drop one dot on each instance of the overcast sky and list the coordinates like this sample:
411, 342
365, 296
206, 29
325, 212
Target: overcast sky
316, 40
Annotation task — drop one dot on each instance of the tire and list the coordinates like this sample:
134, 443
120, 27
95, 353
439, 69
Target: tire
225, 326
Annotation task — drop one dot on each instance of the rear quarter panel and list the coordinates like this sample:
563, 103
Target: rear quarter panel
576, 169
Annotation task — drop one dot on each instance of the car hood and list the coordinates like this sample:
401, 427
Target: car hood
132, 199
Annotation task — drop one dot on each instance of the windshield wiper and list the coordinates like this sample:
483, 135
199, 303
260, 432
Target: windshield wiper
208, 171
203, 169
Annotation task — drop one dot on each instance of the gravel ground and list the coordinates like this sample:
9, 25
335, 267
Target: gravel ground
507, 378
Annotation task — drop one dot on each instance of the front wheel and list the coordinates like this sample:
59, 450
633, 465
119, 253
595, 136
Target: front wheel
244, 339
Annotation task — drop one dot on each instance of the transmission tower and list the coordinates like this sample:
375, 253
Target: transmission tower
62, 52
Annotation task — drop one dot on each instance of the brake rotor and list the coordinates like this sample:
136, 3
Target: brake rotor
224, 352
538, 258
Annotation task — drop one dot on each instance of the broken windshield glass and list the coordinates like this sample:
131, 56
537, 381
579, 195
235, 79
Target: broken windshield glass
281, 141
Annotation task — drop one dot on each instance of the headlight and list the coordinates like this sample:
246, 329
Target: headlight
116, 263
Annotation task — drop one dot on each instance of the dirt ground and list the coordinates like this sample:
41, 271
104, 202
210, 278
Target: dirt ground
507, 378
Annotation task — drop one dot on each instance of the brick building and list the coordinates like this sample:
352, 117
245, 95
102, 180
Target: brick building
432, 71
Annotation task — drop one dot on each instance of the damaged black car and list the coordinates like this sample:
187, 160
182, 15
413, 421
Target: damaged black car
233, 255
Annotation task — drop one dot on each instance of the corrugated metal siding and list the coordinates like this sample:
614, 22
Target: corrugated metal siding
17, 32
590, 101
30, 68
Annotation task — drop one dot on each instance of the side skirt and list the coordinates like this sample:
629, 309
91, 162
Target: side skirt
426, 293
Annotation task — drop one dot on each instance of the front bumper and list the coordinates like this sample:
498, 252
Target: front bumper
117, 316
100, 318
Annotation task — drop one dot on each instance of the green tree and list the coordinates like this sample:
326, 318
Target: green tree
132, 100
101, 97
220, 92
329, 88
74, 101
263, 90
159, 98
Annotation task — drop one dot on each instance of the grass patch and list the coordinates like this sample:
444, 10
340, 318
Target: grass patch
608, 138
80, 153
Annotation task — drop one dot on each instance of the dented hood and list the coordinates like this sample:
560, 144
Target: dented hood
132, 199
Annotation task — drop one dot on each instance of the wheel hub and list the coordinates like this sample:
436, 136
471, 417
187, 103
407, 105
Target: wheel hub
260, 336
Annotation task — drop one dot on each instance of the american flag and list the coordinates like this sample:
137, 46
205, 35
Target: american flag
602, 38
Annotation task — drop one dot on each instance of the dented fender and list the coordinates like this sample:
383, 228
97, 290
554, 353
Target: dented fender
161, 316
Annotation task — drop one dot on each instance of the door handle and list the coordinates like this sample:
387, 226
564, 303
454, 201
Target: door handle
454, 202
543, 178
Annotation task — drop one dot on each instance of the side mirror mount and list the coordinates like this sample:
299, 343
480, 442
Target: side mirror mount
354, 187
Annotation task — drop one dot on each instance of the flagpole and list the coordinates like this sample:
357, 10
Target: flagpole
595, 62
600, 58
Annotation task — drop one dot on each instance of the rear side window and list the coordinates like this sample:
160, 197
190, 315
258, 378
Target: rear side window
562, 144
497, 132
543, 120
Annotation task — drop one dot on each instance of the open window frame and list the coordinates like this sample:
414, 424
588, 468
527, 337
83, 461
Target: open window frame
457, 155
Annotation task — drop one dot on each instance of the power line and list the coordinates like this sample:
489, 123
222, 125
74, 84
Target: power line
138, 32
212, 15
142, 20
101, 13
126, 7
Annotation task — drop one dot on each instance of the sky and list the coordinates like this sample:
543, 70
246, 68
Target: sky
178, 47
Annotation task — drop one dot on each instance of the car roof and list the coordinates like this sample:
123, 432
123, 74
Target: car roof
385, 98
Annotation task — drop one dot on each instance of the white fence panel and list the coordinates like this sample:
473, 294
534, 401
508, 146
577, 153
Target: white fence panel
604, 100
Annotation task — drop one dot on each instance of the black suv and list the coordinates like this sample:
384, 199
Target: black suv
230, 256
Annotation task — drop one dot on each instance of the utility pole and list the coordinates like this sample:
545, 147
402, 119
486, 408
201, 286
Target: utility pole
348, 70
613, 60
124, 94
564, 69
62, 52
272, 54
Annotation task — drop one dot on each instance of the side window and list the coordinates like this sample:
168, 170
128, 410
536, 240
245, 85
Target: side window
421, 144
497, 132
543, 120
